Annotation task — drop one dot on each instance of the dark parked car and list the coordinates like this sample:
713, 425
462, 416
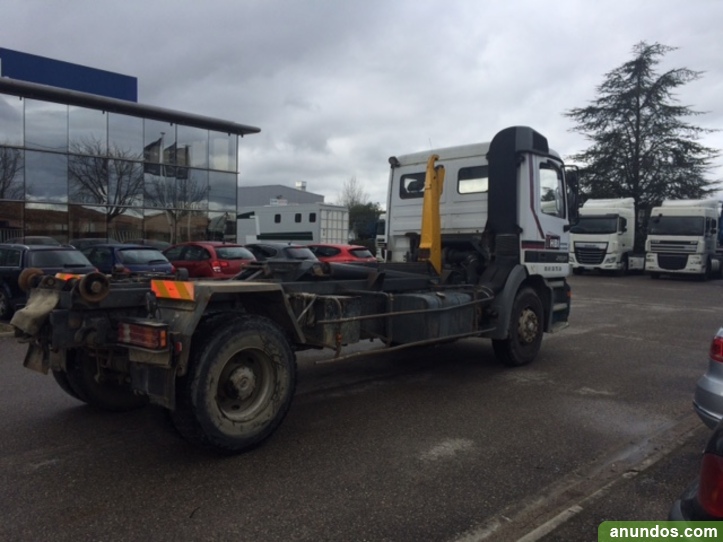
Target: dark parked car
128, 259
342, 253
703, 500
85, 242
708, 398
280, 251
209, 259
50, 259
155, 243
34, 240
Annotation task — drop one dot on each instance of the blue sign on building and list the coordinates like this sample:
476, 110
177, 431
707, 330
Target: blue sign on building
56, 73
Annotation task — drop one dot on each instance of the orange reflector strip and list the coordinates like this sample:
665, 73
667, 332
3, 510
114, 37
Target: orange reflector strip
66, 276
173, 289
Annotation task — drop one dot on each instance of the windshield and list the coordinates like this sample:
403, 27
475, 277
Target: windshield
58, 258
141, 256
677, 225
596, 224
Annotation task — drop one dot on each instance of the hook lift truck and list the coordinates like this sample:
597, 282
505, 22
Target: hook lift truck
220, 355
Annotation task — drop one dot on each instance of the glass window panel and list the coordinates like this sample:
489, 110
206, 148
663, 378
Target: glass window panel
192, 147
87, 222
47, 220
46, 177
125, 137
552, 200
159, 225
411, 185
125, 183
221, 227
87, 179
11, 120
12, 168
223, 151
159, 192
88, 131
222, 191
125, 224
472, 180
46, 126
159, 142
191, 188
191, 226
11, 220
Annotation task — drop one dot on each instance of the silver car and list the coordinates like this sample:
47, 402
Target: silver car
708, 398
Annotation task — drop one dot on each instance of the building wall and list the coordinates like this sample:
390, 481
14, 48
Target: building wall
47, 71
68, 171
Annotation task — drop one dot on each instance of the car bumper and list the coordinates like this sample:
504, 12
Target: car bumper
708, 399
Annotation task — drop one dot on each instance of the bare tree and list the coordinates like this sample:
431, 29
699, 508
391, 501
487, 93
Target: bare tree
11, 165
352, 194
109, 179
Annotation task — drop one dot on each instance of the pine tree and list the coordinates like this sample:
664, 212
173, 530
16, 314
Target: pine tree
641, 147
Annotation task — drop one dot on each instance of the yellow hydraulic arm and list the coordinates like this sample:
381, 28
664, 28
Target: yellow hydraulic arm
430, 242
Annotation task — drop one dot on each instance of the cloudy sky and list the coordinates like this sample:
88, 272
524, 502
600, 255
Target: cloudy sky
338, 86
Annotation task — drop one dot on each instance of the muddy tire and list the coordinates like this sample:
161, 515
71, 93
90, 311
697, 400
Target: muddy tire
525, 332
108, 394
238, 387
62, 379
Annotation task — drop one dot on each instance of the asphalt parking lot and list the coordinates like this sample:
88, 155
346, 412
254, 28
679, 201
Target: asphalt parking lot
429, 444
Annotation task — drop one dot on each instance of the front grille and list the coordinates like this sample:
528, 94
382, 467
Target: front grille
672, 261
590, 256
675, 247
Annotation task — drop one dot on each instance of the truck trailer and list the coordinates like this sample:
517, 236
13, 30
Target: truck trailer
301, 223
683, 239
220, 355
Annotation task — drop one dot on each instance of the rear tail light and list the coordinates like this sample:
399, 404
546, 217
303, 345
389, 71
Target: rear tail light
219, 265
151, 335
716, 347
710, 490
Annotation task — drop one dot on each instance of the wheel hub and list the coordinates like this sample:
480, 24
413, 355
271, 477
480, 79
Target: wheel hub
527, 326
242, 382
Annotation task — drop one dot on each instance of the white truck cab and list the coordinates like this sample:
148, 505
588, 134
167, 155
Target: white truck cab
604, 237
683, 238
534, 215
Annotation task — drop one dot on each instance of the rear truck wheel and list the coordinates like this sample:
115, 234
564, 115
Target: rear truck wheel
62, 379
238, 387
102, 391
525, 333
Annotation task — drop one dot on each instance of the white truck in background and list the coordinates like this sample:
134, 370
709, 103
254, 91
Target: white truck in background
683, 239
380, 241
302, 223
604, 237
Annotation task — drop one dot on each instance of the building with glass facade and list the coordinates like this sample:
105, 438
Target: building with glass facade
76, 165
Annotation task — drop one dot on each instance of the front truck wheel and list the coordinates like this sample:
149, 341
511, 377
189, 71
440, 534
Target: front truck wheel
239, 385
525, 333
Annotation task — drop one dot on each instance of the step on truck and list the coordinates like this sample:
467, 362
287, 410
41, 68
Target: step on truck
604, 238
220, 355
683, 239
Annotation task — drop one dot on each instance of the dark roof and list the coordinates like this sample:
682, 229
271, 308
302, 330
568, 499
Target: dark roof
114, 105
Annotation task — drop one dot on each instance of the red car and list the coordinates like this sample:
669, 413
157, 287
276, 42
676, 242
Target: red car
342, 253
209, 259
